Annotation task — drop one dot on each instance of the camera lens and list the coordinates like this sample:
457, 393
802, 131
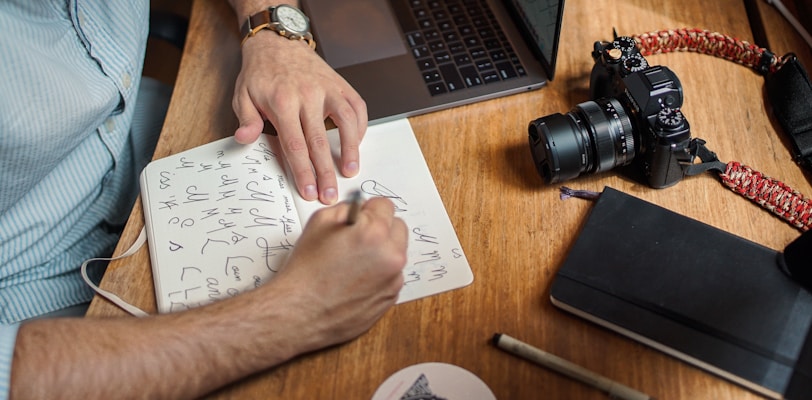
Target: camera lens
595, 136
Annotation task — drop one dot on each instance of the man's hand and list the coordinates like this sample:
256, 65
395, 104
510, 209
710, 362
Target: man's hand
287, 83
342, 278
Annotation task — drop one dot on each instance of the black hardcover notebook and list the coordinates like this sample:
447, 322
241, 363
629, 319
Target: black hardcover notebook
693, 291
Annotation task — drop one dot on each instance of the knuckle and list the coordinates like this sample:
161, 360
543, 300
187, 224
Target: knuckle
399, 259
345, 113
295, 144
325, 174
353, 147
361, 105
318, 142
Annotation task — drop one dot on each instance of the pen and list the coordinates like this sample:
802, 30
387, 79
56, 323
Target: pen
558, 364
355, 207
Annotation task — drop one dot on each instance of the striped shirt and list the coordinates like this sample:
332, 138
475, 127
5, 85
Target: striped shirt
69, 77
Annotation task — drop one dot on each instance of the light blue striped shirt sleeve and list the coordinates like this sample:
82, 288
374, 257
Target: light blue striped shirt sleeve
8, 336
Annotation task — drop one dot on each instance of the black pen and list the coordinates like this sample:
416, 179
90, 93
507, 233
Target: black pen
355, 207
558, 364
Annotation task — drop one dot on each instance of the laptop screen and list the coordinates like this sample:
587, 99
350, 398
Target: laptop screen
541, 27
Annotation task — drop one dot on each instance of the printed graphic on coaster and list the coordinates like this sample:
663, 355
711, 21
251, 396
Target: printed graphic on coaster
433, 381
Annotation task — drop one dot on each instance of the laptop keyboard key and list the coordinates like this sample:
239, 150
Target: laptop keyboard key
484, 65
436, 46
437, 88
493, 44
440, 15
415, 39
471, 41
498, 55
479, 22
426, 64
506, 70
456, 48
490, 77
478, 52
431, 34
442, 57
470, 77
431, 76
451, 76
420, 52
445, 26
462, 59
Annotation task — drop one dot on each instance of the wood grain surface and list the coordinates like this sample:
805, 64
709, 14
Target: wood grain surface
514, 229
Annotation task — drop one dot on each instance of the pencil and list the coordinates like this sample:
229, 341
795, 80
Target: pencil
355, 207
558, 364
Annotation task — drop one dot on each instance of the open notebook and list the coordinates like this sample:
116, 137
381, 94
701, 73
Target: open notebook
221, 218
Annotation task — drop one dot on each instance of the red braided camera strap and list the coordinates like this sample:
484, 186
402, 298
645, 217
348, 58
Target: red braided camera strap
711, 43
769, 193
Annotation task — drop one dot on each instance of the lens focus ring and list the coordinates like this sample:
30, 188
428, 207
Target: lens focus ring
610, 133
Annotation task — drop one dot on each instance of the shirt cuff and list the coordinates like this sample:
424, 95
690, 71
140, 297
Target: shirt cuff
8, 336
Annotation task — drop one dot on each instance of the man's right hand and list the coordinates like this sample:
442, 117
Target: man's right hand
344, 277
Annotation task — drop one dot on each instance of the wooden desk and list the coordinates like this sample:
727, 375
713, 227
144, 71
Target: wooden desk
514, 229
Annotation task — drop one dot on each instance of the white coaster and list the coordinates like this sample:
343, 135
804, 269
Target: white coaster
436, 381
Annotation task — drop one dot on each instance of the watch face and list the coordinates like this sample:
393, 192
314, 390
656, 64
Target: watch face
291, 19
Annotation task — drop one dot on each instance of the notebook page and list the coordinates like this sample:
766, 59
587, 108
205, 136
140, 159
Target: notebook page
220, 220
393, 166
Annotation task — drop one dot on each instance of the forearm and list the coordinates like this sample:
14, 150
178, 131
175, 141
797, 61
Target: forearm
184, 355
305, 307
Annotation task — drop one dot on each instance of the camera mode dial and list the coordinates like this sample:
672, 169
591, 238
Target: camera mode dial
635, 62
669, 119
624, 44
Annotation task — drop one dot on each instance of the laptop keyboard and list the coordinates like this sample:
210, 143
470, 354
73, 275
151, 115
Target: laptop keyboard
457, 43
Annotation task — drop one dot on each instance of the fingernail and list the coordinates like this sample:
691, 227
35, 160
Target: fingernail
310, 192
352, 168
330, 195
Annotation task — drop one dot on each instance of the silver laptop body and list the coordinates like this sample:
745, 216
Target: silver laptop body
400, 54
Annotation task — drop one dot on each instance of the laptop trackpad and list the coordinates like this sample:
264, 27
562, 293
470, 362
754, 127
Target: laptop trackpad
351, 32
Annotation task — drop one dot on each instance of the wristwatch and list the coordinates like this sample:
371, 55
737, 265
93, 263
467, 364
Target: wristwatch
287, 21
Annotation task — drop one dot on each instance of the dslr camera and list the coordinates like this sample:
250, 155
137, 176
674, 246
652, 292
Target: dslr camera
634, 116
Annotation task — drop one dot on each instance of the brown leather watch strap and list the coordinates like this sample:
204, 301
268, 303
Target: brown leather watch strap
262, 20
256, 23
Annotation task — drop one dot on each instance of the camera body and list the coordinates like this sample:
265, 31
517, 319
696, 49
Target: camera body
634, 116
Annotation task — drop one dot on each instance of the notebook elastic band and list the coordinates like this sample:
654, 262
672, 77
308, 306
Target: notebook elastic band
135, 311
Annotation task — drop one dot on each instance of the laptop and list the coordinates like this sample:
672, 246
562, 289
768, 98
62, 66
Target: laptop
706, 296
409, 57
